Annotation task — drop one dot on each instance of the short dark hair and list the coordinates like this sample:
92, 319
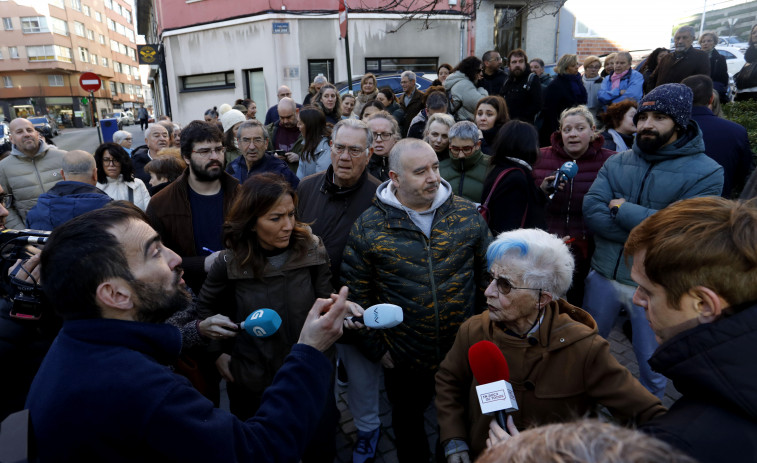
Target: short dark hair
120, 155
470, 67
81, 254
196, 132
498, 103
519, 52
372, 104
516, 139
538, 60
436, 101
701, 85
487, 56
167, 166
314, 120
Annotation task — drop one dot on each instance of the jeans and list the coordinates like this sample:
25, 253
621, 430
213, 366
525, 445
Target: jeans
603, 299
363, 388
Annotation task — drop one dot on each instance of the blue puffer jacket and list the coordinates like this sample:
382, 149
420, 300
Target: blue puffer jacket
648, 183
632, 83
63, 202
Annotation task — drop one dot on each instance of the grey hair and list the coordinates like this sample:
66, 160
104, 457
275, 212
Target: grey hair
543, 259
149, 130
625, 54
249, 124
711, 34
392, 121
320, 79
77, 162
444, 118
466, 130
120, 136
409, 74
355, 124
406, 144
690, 29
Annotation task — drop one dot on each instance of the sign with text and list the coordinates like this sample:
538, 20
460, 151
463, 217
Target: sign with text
496, 396
280, 28
90, 82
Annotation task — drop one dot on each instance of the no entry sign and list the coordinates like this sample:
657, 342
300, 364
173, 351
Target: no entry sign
90, 82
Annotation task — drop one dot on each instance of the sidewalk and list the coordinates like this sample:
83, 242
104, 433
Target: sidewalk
619, 346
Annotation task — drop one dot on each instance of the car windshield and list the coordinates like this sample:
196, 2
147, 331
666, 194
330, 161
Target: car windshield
38, 120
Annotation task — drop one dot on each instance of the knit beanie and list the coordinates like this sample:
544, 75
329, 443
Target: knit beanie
223, 109
674, 100
231, 118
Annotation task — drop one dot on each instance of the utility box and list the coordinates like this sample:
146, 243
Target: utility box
107, 128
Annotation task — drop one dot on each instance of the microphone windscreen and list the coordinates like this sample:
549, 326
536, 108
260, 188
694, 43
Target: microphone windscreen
262, 323
381, 316
570, 169
488, 363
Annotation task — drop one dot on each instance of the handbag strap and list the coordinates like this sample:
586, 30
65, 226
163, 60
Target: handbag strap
496, 182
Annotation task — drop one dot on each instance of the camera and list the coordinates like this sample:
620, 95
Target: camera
27, 298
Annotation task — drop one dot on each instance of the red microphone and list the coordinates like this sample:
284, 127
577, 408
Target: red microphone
495, 394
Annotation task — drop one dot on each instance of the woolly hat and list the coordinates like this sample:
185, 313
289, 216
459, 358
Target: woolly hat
223, 109
230, 118
674, 100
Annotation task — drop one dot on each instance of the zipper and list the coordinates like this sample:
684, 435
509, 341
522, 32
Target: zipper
638, 200
436, 303
39, 177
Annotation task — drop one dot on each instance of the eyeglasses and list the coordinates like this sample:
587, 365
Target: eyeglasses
382, 135
498, 58
6, 200
205, 152
354, 151
593, 66
465, 149
128, 139
256, 140
504, 286
110, 162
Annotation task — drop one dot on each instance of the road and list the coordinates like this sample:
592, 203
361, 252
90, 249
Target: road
86, 139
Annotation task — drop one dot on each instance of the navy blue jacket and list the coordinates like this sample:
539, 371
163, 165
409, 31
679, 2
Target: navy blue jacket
105, 393
728, 144
63, 202
269, 163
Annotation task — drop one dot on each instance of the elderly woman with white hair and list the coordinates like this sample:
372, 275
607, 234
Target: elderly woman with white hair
124, 139
560, 367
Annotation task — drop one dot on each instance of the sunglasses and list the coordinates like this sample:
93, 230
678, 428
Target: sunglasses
504, 286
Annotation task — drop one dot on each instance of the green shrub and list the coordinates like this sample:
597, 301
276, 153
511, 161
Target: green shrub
744, 113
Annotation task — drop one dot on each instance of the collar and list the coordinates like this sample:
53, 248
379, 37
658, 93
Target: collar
329, 187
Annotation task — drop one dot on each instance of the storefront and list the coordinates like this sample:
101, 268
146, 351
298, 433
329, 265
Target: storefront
61, 109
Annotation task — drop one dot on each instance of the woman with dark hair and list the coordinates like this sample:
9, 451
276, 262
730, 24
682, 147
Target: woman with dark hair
491, 115
115, 176
211, 115
461, 87
348, 105
368, 91
271, 261
330, 102
565, 91
386, 97
316, 153
371, 108
748, 90
514, 200
620, 128
442, 73
164, 169
650, 65
577, 141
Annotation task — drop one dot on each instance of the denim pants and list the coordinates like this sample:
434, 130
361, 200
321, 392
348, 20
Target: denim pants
363, 388
603, 299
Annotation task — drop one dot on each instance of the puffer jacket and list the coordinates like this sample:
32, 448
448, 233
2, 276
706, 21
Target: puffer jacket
466, 176
632, 83
438, 281
27, 178
290, 290
64, 201
558, 373
565, 209
463, 92
268, 163
711, 366
648, 182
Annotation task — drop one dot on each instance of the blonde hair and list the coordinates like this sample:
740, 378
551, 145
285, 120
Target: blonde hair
565, 61
590, 59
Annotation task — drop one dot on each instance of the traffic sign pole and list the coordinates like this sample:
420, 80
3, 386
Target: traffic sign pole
90, 82
94, 112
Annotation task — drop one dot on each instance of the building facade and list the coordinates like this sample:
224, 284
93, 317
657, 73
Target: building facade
45, 46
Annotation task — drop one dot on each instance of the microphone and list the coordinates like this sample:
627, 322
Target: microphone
568, 170
380, 316
495, 394
261, 323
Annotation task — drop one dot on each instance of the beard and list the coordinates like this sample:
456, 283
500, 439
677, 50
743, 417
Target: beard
652, 143
156, 305
201, 172
517, 72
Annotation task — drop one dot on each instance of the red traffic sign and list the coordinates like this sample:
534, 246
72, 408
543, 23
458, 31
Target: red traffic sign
90, 82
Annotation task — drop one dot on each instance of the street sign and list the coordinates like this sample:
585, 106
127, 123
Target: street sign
90, 82
84, 100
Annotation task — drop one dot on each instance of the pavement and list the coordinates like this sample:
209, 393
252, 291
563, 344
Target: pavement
87, 138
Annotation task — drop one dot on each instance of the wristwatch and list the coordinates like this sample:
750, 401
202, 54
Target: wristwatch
614, 210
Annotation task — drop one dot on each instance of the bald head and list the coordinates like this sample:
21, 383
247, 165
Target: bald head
79, 166
284, 92
287, 112
24, 137
287, 104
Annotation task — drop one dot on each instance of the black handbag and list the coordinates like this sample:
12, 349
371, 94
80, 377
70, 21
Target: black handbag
747, 76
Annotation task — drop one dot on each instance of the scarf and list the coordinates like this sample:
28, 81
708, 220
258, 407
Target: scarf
577, 85
615, 78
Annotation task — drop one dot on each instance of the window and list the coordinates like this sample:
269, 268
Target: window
130, 34
83, 55
7, 24
321, 66
109, 4
34, 24
86, 11
102, 39
582, 30
90, 34
395, 65
63, 54
104, 61
58, 3
116, 66
208, 81
132, 54
130, 89
112, 87
76, 4
13, 51
79, 28
55, 80
111, 24
135, 69
7, 82
59, 26
122, 48
127, 15
93, 59
255, 86
121, 88
40, 53
98, 17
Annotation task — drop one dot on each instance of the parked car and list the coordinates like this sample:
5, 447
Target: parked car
45, 125
422, 82
124, 118
734, 58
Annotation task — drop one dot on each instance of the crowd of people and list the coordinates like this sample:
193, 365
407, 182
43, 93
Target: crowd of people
463, 206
